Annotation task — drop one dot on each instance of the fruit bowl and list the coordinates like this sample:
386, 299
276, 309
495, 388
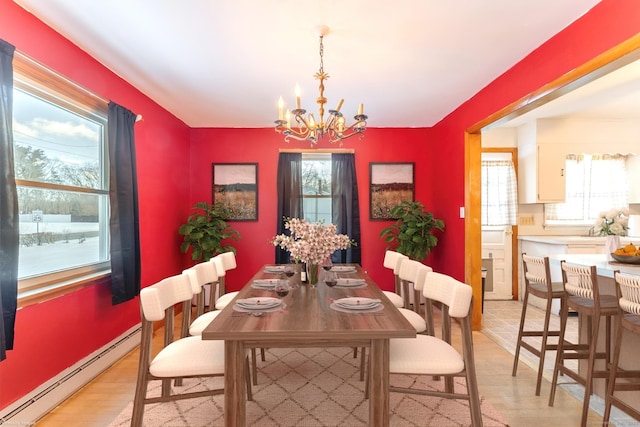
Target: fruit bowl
626, 259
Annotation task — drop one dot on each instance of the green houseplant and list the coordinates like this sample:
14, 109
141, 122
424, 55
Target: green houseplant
412, 233
207, 232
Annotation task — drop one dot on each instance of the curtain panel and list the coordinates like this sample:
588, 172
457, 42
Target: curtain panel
499, 193
345, 207
123, 198
9, 219
289, 184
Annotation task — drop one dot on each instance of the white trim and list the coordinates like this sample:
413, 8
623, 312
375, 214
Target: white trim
36, 404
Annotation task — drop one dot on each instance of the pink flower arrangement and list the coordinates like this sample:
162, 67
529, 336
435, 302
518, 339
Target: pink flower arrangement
311, 243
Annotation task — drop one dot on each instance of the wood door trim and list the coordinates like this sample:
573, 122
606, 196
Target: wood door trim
616, 57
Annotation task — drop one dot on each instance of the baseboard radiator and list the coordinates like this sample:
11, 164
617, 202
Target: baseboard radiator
28, 409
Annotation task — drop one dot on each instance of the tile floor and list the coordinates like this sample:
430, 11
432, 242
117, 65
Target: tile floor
500, 322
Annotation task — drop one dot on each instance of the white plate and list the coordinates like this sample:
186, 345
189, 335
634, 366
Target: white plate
343, 268
357, 303
274, 269
348, 283
258, 303
264, 283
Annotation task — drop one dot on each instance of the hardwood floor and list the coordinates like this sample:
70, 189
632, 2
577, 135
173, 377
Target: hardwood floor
98, 403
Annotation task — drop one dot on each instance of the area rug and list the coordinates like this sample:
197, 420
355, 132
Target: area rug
312, 387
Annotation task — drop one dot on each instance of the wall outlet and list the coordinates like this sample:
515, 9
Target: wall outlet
526, 220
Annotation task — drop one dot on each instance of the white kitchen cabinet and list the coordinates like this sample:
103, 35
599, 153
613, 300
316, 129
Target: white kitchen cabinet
633, 172
541, 177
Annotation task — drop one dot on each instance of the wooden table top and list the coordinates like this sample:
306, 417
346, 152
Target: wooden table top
309, 318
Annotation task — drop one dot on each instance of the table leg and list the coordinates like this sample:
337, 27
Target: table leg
234, 384
379, 383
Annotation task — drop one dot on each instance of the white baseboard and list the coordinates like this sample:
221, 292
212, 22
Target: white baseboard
28, 409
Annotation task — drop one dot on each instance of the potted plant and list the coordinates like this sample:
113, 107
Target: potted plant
206, 231
412, 233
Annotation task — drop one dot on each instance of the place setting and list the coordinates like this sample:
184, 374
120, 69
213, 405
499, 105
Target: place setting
357, 305
259, 304
351, 283
265, 284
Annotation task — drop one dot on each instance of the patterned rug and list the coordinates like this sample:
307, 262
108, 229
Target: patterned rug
312, 387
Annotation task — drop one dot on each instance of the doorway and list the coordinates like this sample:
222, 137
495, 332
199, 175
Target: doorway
498, 237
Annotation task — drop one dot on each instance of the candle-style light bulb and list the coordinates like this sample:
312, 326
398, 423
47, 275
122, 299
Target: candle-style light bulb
280, 108
288, 117
297, 96
339, 105
360, 109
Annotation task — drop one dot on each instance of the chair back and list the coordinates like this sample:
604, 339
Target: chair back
156, 299
536, 271
421, 276
580, 281
409, 270
229, 260
628, 291
454, 294
390, 259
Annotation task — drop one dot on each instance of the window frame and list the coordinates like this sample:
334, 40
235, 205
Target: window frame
34, 78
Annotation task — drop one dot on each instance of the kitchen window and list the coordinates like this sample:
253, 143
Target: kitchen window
62, 180
594, 183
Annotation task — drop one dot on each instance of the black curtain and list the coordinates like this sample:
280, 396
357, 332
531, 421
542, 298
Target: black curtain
123, 198
9, 218
289, 195
344, 206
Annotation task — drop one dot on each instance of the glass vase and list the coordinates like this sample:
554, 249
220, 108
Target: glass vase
611, 243
312, 274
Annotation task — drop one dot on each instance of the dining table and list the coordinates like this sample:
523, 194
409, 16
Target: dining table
309, 316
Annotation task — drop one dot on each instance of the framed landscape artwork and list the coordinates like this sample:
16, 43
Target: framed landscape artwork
390, 185
235, 185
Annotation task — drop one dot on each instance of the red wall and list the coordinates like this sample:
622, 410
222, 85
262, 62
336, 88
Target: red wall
261, 146
53, 335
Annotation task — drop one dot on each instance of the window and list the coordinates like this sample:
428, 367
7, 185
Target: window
499, 192
316, 187
594, 183
61, 176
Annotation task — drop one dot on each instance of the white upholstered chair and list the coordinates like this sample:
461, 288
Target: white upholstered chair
224, 262
433, 356
392, 261
178, 359
201, 275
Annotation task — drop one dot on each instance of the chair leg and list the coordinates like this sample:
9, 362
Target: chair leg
355, 352
362, 362
262, 355
254, 364
247, 377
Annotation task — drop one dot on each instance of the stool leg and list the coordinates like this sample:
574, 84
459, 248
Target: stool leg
612, 376
588, 387
564, 313
543, 348
523, 316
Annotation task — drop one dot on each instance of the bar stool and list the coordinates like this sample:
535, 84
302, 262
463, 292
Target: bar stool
628, 294
581, 285
537, 282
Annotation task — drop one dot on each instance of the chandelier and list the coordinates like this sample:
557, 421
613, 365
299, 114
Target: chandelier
308, 128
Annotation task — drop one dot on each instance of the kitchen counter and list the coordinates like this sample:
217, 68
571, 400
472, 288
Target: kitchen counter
573, 240
604, 267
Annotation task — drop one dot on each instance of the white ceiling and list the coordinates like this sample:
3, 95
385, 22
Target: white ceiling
224, 63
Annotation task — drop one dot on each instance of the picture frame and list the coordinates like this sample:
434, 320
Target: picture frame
390, 183
235, 186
